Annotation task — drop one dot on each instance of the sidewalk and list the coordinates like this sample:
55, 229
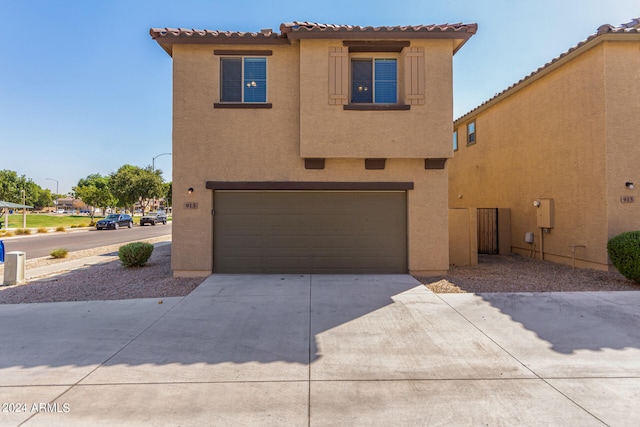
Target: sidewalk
301, 350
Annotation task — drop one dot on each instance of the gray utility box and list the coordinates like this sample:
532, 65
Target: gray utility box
14, 267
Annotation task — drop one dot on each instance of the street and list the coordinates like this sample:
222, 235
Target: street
40, 245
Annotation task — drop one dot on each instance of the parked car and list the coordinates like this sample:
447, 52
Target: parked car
154, 218
115, 221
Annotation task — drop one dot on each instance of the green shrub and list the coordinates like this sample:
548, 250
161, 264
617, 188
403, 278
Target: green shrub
61, 228
624, 251
135, 254
43, 230
21, 231
59, 253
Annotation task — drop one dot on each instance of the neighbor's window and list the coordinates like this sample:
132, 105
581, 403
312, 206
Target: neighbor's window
243, 79
471, 133
455, 140
374, 81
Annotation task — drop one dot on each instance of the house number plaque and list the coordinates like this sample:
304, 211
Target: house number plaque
627, 199
191, 205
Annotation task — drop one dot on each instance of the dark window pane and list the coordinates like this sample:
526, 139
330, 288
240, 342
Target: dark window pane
361, 81
386, 81
231, 76
471, 133
255, 80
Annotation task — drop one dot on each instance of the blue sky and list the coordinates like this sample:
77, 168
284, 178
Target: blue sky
84, 89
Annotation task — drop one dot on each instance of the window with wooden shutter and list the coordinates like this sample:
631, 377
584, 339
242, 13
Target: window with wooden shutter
374, 80
338, 75
414, 75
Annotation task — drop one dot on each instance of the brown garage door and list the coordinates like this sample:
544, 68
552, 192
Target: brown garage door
310, 232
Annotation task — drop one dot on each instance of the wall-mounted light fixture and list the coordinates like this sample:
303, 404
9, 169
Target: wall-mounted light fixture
190, 190
629, 185
536, 203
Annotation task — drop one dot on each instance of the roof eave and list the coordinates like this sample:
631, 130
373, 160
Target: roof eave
379, 35
166, 39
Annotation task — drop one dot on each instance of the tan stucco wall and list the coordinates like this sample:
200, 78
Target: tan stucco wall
463, 237
622, 77
213, 144
329, 131
547, 140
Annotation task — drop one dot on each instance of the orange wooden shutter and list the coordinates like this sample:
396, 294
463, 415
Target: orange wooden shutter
414, 75
338, 75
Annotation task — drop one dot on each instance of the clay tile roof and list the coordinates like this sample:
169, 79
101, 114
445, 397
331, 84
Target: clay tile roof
159, 33
309, 27
632, 27
166, 37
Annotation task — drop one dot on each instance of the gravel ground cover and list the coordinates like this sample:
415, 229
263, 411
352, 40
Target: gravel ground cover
515, 273
110, 280
106, 281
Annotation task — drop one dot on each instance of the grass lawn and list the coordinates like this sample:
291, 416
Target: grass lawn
49, 221
53, 221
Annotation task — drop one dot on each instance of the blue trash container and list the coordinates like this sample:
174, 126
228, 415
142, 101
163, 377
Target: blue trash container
1, 251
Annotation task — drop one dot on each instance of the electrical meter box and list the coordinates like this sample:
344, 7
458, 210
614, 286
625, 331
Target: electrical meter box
545, 213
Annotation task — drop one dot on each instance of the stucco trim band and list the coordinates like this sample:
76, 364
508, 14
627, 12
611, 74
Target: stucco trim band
375, 45
309, 185
376, 107
243, 52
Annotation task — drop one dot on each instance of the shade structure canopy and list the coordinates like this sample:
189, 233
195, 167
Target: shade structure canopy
10, 205
5, 206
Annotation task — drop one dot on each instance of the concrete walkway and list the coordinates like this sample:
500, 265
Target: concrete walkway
323, 350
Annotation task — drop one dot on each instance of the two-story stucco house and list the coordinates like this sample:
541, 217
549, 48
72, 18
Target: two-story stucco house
319, 149
559, 149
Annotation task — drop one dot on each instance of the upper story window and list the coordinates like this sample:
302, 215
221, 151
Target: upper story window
243, 80
455, 140
471, 133
377, 75
374, 80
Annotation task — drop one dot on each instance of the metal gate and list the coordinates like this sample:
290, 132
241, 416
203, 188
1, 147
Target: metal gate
488, 231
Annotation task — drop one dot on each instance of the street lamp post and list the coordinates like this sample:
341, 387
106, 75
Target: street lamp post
153, 168
51, 179
153, 161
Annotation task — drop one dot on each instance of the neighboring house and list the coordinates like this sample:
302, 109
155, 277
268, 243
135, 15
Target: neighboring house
564, 137
320, 149
70, 204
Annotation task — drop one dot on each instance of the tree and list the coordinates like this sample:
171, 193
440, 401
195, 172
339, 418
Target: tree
168, 193
122, 184
94, 191
132, 184
44, 199
149, 186
11, 186
35, 195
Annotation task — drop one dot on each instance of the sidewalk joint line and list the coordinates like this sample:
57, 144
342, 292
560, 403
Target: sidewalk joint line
518, 360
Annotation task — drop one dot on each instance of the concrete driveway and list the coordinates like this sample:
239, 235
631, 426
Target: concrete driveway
323, 350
